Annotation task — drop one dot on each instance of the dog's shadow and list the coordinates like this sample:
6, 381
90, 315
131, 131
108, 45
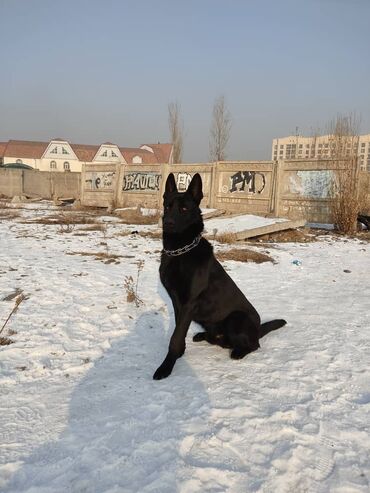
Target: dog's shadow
125, 430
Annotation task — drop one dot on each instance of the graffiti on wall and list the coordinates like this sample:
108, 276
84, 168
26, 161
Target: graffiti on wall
99, 180
183, 180
316, 184
141, 181
247, 181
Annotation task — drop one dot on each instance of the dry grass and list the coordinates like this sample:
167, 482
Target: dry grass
135, 216
5, 341
243, 255
107, 258
4, 204
94, 227
131, 286
303, 235
9, 214
226, 237
64, 219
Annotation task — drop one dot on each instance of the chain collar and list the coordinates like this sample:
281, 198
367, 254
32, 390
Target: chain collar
184, 249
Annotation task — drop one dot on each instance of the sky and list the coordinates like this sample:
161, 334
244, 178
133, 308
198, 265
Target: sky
93, 71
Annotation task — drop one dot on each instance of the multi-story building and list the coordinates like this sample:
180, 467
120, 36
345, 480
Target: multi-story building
61, 155
299, 147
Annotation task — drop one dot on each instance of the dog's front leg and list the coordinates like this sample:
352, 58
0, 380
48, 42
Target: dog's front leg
177, 344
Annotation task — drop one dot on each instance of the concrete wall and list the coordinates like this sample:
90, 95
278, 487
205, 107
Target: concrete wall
244, 185
140, 184
39, 183
99, 184
11, 182
292, 189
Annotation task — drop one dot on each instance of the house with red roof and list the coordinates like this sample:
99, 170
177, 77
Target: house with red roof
61, 155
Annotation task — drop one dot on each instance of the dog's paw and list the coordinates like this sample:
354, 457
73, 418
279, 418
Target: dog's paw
162, 372
200, 336
238, 353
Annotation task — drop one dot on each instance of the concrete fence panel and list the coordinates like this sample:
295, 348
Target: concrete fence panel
11, 182
304, 189
183, 175
139, 185
99, 184
246, 186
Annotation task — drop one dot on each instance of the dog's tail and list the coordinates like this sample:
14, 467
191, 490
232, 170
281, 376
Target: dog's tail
269, 326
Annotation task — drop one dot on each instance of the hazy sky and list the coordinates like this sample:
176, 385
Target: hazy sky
93, 71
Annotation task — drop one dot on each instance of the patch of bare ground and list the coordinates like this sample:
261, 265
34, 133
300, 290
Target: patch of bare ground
5, 341
8, 213
135, 216
64, 219
243, 255
107, 258
299, 235
146, 234
226, 238
93, 227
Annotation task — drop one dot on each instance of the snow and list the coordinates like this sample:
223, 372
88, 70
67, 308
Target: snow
79, 411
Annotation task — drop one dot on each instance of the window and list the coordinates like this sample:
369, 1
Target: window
114, 154
105, 153
19, 161
53, 165
66, 166
64, 151
300, 146
54, 151
137, 160
281, 146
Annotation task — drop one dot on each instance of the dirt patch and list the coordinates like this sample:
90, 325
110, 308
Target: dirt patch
299, 235
5, 341
64, 219
243, 255
8, 214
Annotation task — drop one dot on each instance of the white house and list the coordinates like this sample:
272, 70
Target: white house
61, 155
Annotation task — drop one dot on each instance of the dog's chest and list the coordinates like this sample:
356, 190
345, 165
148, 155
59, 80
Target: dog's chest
176, 276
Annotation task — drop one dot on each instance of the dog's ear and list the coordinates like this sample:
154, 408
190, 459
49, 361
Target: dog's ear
195, 188
170, 184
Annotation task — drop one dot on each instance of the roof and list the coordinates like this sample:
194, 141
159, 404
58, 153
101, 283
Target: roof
130, 152
2, 148
85, 152
161, 151
25, 149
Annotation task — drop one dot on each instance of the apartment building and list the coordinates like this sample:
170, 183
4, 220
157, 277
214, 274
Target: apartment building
299, 147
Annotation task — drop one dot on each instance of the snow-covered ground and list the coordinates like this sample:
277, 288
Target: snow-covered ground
79, 411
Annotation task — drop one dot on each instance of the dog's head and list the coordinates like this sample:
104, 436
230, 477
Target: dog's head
181, 209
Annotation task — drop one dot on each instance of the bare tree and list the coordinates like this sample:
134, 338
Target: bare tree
346, 195
176, 127
220, 130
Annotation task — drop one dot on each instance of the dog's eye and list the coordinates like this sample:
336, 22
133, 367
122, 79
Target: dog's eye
183, 209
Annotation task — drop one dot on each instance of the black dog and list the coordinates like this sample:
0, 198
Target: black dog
199, 287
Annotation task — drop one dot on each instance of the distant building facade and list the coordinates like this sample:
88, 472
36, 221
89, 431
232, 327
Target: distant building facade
299, 147
61, 155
